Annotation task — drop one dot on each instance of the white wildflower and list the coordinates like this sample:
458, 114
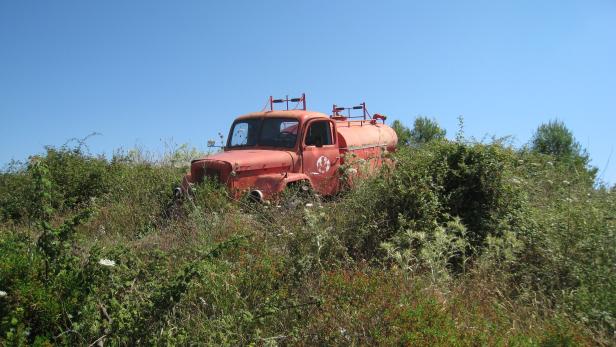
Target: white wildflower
515, 180
309, 204
565, 182
352, 171
107, 262
550, 163
3, 293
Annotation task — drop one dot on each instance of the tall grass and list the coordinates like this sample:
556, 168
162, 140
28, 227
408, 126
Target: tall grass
460, 244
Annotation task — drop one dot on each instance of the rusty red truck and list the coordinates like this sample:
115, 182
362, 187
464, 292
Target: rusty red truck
269, 151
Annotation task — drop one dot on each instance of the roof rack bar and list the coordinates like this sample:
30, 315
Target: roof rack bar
337, 109
301, 99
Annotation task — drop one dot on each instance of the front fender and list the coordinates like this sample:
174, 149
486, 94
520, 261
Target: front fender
296, 177
268, 184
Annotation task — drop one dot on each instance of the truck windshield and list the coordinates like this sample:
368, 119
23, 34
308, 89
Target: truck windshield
271, 132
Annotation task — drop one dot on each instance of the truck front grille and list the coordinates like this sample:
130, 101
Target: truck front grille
212, 174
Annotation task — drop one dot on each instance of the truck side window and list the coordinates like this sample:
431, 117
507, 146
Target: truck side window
319, 134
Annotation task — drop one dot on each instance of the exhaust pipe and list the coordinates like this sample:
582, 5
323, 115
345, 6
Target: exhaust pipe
256, 195
177, 192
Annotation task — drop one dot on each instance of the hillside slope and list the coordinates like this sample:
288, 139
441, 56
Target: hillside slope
462, 244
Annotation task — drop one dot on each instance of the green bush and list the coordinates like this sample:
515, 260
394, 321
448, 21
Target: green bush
459, 243
431, 185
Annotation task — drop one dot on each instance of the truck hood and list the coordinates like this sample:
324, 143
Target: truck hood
252, 159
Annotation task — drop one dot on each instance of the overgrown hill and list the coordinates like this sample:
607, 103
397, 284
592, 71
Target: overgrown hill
463, 243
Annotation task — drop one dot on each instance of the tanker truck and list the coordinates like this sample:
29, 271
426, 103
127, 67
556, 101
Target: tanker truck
273, 150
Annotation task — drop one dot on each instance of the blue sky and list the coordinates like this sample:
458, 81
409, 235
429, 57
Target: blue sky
148, 72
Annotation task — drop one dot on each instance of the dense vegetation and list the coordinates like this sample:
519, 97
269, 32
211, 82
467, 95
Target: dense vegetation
463, 243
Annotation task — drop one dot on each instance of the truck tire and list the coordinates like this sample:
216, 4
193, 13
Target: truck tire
299, 193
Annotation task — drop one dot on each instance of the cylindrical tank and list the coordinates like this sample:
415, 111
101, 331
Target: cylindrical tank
361, 135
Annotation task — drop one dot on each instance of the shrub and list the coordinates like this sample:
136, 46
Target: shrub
432, 184
461, 243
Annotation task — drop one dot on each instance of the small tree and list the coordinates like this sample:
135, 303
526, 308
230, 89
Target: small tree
403, 132
554, 138
426, 130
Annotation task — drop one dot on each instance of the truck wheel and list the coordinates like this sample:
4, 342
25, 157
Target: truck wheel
299, 193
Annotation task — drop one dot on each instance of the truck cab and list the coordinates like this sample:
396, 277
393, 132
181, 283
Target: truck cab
268, 151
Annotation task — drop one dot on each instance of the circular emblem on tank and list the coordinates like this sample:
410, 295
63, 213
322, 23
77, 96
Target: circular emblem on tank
323, 164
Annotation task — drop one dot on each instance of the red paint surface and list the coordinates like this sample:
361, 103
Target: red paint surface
270, 169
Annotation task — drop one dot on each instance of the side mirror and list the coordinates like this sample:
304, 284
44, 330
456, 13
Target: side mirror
212, 144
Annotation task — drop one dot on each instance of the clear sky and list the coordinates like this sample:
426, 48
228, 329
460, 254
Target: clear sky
145, 72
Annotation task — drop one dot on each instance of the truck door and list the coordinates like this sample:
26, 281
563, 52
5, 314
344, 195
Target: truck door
321, 156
